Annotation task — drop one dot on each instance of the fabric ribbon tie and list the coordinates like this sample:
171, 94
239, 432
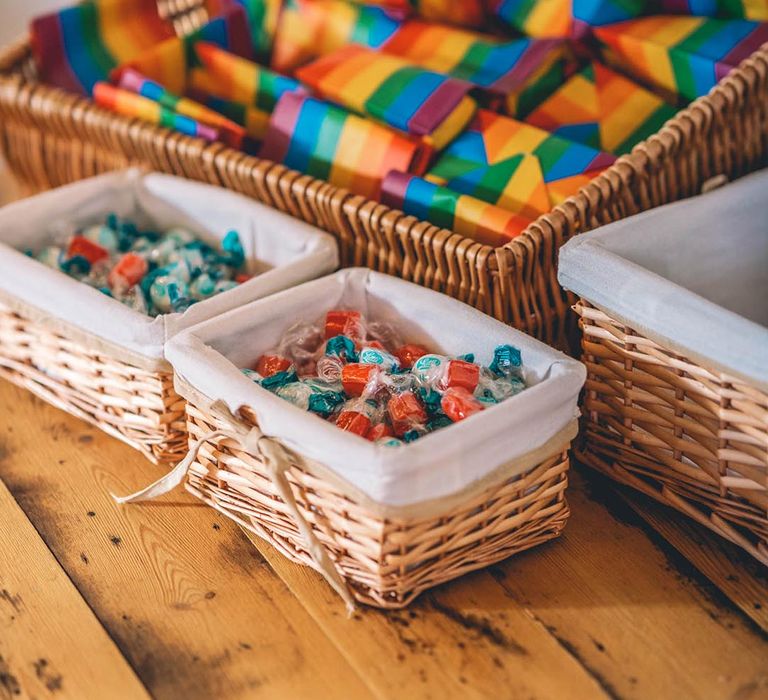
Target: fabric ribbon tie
276, 462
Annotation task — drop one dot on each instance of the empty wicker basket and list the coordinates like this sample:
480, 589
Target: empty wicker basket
381, 523
673, 319
50, 137
99, 360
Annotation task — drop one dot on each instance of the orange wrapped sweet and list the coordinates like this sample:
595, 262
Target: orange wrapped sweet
458, 404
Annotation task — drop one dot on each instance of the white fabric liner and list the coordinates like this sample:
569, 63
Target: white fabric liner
691, 276
282, 249
210, 355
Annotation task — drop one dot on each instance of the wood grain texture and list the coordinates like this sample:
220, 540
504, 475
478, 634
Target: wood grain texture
51, 644
464, 639
194, 608
736, 574
633, 610
611, 610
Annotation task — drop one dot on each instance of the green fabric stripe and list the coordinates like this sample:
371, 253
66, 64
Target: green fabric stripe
321, 161
442, 208
650, 126
472, 61
89, 17
383, 97
534, 94
550, 151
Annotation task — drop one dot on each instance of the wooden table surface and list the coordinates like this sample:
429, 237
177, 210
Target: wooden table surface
169, 599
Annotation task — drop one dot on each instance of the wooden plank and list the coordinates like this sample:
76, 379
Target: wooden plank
192, 606
461, 640
735, 573
51, 644
634, 615
632, 609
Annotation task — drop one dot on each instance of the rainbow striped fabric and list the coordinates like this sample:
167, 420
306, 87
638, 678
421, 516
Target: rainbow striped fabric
686, 55
471, 217
230, 133
600, 108
326, 141
515, 165
307, 29
520, 70
262, 18
245, 91
130, 104
536, 18
466, 13
170, 61
598, 13
79, 46
393, 91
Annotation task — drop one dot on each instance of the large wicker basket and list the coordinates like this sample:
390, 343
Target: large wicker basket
50, 137
690, 436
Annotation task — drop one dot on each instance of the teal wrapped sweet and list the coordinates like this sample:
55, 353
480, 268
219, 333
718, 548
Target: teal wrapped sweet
103, 235
202, 287
166, 292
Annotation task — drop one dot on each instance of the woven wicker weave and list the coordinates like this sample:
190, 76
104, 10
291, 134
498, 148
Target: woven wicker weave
136, 405
691, 437
51, 137
385, 561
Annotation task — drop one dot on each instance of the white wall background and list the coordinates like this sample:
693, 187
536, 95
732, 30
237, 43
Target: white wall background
15, 15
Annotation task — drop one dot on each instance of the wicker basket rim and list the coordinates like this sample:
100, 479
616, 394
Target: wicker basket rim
589, 195
76, 334
433, 507
727, 374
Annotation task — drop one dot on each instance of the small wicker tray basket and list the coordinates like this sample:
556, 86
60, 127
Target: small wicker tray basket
689, 436
378, 560
133, 401
50, 137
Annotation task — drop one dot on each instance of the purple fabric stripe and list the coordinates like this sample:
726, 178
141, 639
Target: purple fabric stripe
238, 33
282, 124
51, 56
526, 65
394, 188
438, 106
601, 160
751, 43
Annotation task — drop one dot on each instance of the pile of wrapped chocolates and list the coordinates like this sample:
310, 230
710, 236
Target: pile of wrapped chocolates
362, 377
152, 272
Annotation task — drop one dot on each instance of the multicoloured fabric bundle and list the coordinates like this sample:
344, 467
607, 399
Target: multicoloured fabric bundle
516, 166
469, 216
326, 141
467, 13
310, 28
129, 104
229, 132
404, 99
597, 13
537, 18
602, 109
170, 61
238, 86
518, 70
685, 55
394, 92
77, 47
262, 16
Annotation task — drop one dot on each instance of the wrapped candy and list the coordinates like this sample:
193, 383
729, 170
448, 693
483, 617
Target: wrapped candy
151, 272
377, 387
458, 404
